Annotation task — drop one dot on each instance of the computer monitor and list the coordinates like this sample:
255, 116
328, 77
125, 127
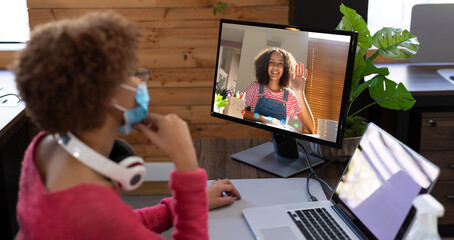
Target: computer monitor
292, 81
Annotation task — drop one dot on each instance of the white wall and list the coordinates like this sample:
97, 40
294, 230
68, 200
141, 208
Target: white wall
233, 71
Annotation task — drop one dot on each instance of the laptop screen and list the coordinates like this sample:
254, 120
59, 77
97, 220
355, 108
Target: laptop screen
380, 183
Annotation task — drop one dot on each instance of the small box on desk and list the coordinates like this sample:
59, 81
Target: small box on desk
234, 107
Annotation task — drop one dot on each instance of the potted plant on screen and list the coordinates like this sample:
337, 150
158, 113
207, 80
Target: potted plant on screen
393, 43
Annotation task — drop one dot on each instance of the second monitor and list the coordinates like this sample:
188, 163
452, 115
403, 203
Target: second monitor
293, 82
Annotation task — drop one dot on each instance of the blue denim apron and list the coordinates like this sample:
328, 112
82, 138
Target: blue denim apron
268, 107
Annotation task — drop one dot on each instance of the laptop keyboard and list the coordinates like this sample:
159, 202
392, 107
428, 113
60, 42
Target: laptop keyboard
317, 224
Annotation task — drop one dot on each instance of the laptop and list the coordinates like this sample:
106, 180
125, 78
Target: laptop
372, 200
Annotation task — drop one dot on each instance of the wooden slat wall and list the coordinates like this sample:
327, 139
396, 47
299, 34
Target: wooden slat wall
179, 46
148, 3
6, 58
326, 65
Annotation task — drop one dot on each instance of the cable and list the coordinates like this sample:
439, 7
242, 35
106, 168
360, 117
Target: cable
311, 197
314, 173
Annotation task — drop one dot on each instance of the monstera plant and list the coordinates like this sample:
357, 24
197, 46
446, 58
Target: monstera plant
393, 43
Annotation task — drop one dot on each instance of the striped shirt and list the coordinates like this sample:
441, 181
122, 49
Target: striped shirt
252, 96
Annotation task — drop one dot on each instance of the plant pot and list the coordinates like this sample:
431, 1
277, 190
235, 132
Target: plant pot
218, 109
329, 153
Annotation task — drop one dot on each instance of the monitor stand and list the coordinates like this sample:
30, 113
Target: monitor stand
280, 158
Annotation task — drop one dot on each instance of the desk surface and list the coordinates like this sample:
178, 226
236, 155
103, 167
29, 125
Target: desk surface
421, 78
228, 222
214, 156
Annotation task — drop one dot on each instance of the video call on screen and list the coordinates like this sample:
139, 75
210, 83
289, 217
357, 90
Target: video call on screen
324, 55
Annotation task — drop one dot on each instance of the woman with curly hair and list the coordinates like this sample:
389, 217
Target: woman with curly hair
270, 99
78, 82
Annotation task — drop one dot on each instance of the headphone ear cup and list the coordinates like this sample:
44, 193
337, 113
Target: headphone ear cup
123, 154
120, 150
135, 166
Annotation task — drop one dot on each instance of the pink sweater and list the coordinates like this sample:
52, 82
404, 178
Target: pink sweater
89, 211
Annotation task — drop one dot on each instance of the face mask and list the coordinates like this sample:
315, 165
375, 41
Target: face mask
137, 114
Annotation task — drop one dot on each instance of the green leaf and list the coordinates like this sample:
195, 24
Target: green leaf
370, 68
217, 98
395, 43
219, 8
351, 21
222, 103
359, 89
390, 95
357, 70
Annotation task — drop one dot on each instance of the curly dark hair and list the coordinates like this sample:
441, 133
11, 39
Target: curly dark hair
70, 69
261, 66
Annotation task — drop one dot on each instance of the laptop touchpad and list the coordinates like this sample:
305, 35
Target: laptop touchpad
278, 233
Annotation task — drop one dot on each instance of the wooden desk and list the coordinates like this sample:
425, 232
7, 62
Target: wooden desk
14, 138
431, 91
421, 79
214, 156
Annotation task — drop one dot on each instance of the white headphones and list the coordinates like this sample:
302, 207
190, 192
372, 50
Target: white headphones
127, 171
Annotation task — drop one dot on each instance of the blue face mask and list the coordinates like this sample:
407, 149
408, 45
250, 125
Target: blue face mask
137, 114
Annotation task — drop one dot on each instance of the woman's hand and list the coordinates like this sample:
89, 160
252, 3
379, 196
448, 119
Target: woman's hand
298, 78
171, 135
251, 116
275, 121
221, 193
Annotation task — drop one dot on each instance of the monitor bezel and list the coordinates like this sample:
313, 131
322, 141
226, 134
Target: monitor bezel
346, 89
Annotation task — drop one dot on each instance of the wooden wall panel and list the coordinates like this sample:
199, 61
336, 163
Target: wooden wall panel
146, 3
182, 77
7, 57
178, 57
180, 96
179, 45
179, 38
193, 114
159, 17
228, 130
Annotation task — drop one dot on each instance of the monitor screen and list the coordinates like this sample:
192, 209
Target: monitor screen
284, 79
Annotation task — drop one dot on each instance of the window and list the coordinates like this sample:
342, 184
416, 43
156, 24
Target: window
328, 57
14, 21
392, 13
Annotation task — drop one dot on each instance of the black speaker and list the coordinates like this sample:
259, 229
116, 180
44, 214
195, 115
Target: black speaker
322, 14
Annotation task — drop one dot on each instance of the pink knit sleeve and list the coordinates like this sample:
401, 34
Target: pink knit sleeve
190, 204
158, 218
188, 193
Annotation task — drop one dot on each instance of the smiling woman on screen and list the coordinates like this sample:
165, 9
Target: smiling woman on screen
278, 92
